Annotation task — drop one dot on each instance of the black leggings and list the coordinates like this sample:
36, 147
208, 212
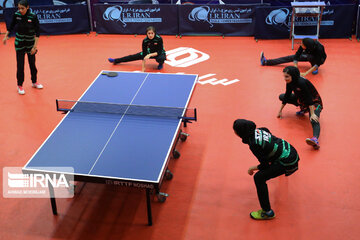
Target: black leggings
260, 179
303, 58
139, 56
315, 125
274, 170
20, 60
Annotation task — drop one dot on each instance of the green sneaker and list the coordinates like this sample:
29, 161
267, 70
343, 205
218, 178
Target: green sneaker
262, 215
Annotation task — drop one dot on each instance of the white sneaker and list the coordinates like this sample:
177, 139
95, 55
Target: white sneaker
37, 85
21, 90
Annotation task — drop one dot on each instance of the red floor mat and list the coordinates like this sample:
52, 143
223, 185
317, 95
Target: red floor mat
211, 194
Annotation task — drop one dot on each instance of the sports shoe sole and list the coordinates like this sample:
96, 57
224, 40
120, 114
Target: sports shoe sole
268, 218
312, 143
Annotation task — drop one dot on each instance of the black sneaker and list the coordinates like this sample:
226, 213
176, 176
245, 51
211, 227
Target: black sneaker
161, 65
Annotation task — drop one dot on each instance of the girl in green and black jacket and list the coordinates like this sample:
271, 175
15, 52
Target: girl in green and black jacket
276, 157
152, 47
26, 25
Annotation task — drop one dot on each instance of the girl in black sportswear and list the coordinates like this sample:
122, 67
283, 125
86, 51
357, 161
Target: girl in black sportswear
152, 47
310, 51
276, 157
301, 92
26, 25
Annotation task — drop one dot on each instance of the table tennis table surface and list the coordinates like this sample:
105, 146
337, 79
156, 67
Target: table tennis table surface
118, 146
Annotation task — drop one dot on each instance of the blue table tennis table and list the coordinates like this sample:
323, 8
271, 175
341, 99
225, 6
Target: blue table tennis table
121, 147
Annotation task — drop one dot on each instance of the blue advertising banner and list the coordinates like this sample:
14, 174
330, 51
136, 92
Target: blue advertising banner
230, 20
337, 21
272, 22
135, 1
56, 20
287, 3
275, 22
217, 2
206, 2
358, 24
134, 19
13, 3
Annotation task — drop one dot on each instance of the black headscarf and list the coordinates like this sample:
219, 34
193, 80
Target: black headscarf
293, 72
244, 129
309, 43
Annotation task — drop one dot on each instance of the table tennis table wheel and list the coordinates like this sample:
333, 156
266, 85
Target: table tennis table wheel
183, 136
162, 196
176, 154
168, 174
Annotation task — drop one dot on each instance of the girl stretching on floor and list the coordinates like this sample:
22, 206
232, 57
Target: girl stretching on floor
152, 47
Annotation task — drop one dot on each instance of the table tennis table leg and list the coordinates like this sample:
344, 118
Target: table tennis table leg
52, 198
148, 203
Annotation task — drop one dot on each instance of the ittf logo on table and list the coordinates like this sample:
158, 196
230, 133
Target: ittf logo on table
218, 15
131, 15
36, 185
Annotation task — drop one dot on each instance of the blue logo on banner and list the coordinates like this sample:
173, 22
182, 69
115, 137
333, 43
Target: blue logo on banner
220, 15
278, 17
200, 14
114, 14
133, 14
281, 17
